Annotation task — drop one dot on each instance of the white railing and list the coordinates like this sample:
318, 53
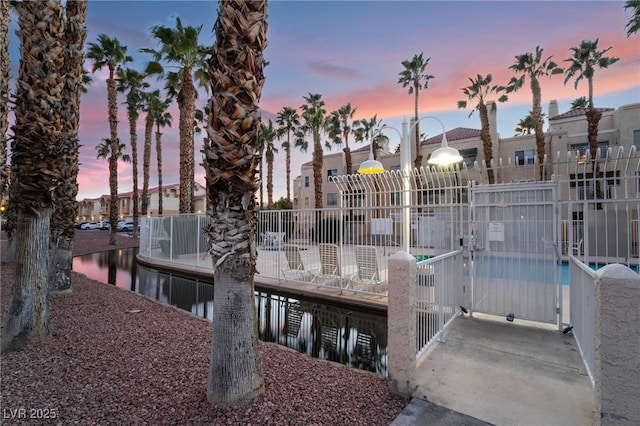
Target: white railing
440, 292
583, 310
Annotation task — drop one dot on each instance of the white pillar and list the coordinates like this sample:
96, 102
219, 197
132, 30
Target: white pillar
401, 324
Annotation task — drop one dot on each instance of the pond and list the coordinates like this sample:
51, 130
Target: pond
344, 334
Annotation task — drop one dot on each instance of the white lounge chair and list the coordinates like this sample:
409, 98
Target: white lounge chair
295, 266
368, 276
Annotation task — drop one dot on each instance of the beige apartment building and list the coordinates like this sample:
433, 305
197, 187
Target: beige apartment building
566, 132
96, 209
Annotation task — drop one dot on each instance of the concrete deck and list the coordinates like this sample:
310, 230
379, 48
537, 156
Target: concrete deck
504, 374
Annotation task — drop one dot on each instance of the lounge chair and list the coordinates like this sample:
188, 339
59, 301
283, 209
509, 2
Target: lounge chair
368, 276
295, 266
330, 264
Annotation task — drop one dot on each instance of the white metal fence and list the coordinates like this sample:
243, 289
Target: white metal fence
440, 295
583, 310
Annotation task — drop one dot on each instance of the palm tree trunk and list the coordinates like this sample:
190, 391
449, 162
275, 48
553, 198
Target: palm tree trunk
593, 118
536, 115
133, 136
317, 170
66, 209
159, 156
4, 93
269, 178
485, 136
112, 94
146, 160
187, 117
288, 167
28, 319
231, 164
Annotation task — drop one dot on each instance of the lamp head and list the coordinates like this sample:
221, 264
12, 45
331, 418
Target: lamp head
445, 155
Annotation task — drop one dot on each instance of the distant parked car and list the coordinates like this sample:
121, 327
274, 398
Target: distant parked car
104, 225
79, 224
120, 224
128, 227
89, 225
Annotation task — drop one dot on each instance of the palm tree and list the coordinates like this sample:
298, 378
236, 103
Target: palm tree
414, 77
132, 83
230, 161
4, 92
288, 122
179, 47
478, 91
369, 129
105, 149
634, 21
110, 53
340, 126
260, 147
267, 135
582, 65
532, 65
313, 114
66, 206
35, 157
525, 125
162, 118
580, 102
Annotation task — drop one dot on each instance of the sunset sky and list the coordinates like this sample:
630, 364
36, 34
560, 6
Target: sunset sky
351, 52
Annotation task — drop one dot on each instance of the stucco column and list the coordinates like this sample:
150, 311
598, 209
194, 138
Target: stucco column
401, 323
617, 346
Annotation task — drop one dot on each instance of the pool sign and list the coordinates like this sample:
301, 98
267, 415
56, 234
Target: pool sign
496, 232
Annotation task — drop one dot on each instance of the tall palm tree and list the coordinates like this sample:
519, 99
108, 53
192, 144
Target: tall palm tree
260, 147
413, 76
162, 117
179, 47
478, 91
268, 135
582, 65
633, 25
66, 206
237, 75
111, 53
150, 102
288, 122
533, 66
133, 83
4, 92
313, 116
35, 164
340, 126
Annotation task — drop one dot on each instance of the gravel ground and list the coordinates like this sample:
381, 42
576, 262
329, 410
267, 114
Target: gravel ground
116, 357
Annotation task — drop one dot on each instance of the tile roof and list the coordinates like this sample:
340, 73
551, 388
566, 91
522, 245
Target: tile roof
576, 112
453, 135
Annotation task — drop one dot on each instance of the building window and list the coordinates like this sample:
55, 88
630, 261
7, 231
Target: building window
526, 156
332, 199
331, 173
306, 181
396, 168
123, 204
636, 139
357, 198
583, 149
469, 156
396, 198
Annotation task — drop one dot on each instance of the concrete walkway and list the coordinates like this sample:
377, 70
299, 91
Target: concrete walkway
502, 373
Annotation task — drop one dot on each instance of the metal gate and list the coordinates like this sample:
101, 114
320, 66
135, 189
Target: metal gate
515, 264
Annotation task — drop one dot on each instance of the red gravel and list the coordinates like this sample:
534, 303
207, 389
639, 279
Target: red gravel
106, 363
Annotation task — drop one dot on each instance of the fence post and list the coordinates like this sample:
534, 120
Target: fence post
401, 323
617, 345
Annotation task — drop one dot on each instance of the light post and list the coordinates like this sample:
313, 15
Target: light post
443, 156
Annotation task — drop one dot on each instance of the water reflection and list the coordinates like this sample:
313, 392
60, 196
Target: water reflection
337, 333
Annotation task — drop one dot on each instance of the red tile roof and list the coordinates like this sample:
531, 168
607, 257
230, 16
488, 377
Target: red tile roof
453, 135
576, 112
